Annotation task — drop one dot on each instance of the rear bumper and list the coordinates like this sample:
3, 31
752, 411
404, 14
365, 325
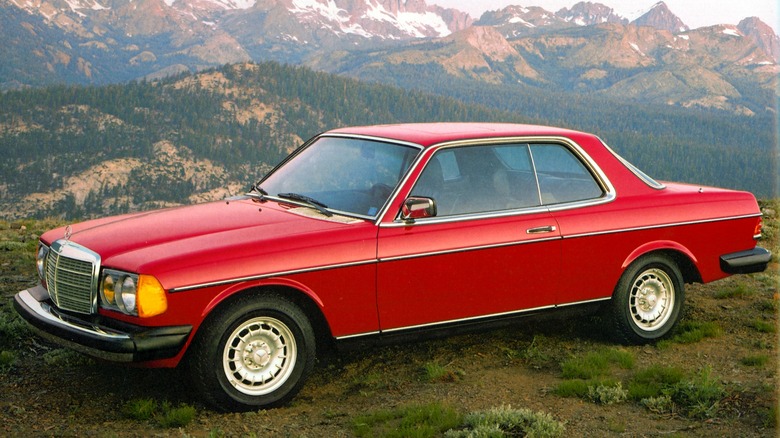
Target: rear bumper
97, 336
745, 262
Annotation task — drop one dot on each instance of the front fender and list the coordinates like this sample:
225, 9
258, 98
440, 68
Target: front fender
237, 288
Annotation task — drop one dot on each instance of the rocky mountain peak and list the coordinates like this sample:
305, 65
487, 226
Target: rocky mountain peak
661, 17
587, 14
530, 17
763, 35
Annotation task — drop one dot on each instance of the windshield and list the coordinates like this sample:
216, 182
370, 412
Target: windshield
346, 175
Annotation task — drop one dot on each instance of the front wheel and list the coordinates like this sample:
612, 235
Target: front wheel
648, 300
255, 353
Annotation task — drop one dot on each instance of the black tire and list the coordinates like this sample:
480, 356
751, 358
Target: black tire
254, 353
648, 300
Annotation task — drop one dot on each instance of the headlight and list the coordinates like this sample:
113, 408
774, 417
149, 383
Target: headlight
132, 294
40, 261
107, 294
126, 292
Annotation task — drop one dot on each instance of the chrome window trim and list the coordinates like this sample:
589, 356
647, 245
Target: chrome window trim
536, 176
473, 318
466, 217
639, 173
380, 214
599, 176
401, 182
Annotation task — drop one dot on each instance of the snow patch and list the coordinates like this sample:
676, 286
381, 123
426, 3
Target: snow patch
637, 49
518, 20
410, 23
225, 4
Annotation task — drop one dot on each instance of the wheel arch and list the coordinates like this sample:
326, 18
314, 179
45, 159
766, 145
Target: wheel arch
684, 258
305, 299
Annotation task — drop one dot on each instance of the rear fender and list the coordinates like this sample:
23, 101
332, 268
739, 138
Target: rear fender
660, 245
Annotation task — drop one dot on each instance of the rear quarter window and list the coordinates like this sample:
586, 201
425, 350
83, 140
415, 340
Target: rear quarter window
562, 176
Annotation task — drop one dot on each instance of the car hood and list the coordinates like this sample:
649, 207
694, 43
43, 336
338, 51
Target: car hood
220, 241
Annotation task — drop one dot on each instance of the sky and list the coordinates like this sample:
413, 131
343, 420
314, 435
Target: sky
694, 13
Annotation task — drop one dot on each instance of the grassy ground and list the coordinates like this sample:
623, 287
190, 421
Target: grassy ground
717, 376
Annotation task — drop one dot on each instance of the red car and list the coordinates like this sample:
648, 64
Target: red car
370, 233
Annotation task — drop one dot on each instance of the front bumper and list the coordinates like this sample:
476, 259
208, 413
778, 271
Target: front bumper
98, 336
745, 262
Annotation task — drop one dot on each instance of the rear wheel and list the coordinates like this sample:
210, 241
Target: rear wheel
648, 299
254, 353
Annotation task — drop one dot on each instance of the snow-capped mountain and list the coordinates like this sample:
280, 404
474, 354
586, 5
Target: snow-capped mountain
661, 17
585, 47
393, 19
587, 14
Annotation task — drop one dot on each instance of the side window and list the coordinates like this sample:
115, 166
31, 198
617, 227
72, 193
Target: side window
449, 165
562, 176
479, 179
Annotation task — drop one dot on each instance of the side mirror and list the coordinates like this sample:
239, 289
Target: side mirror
418, 208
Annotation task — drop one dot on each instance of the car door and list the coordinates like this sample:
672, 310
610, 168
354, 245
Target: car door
578, 195
490, 250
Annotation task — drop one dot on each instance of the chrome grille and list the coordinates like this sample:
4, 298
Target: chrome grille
71, 277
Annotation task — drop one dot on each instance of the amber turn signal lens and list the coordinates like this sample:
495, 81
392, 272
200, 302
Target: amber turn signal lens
151, 298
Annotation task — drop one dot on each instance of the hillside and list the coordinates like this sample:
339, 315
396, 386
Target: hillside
85, 151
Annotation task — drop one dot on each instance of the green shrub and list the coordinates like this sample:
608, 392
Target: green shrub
597, 363
13, 330
755, 361
64, 357
176, 416
770, 416
698, 397
7, 359
366, 384
534, 354
690, 332
651, 382
505, 421
659, 405
763, 326
427, 420
164, 414
740, 290
434, 372
607, 394
140, 409
572, 388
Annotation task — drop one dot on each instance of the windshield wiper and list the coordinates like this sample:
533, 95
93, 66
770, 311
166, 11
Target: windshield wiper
258, 193
322, 208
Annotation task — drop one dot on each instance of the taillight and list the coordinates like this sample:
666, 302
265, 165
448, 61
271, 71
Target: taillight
759, 227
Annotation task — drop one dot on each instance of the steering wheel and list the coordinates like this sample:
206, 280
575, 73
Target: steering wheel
380, 191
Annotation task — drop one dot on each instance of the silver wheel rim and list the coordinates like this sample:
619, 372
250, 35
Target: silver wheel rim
651, 299
259, 356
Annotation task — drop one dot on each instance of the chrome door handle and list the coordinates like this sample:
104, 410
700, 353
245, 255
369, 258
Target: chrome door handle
540, 230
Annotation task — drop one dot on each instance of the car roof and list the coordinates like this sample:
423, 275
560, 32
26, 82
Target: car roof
427, 134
